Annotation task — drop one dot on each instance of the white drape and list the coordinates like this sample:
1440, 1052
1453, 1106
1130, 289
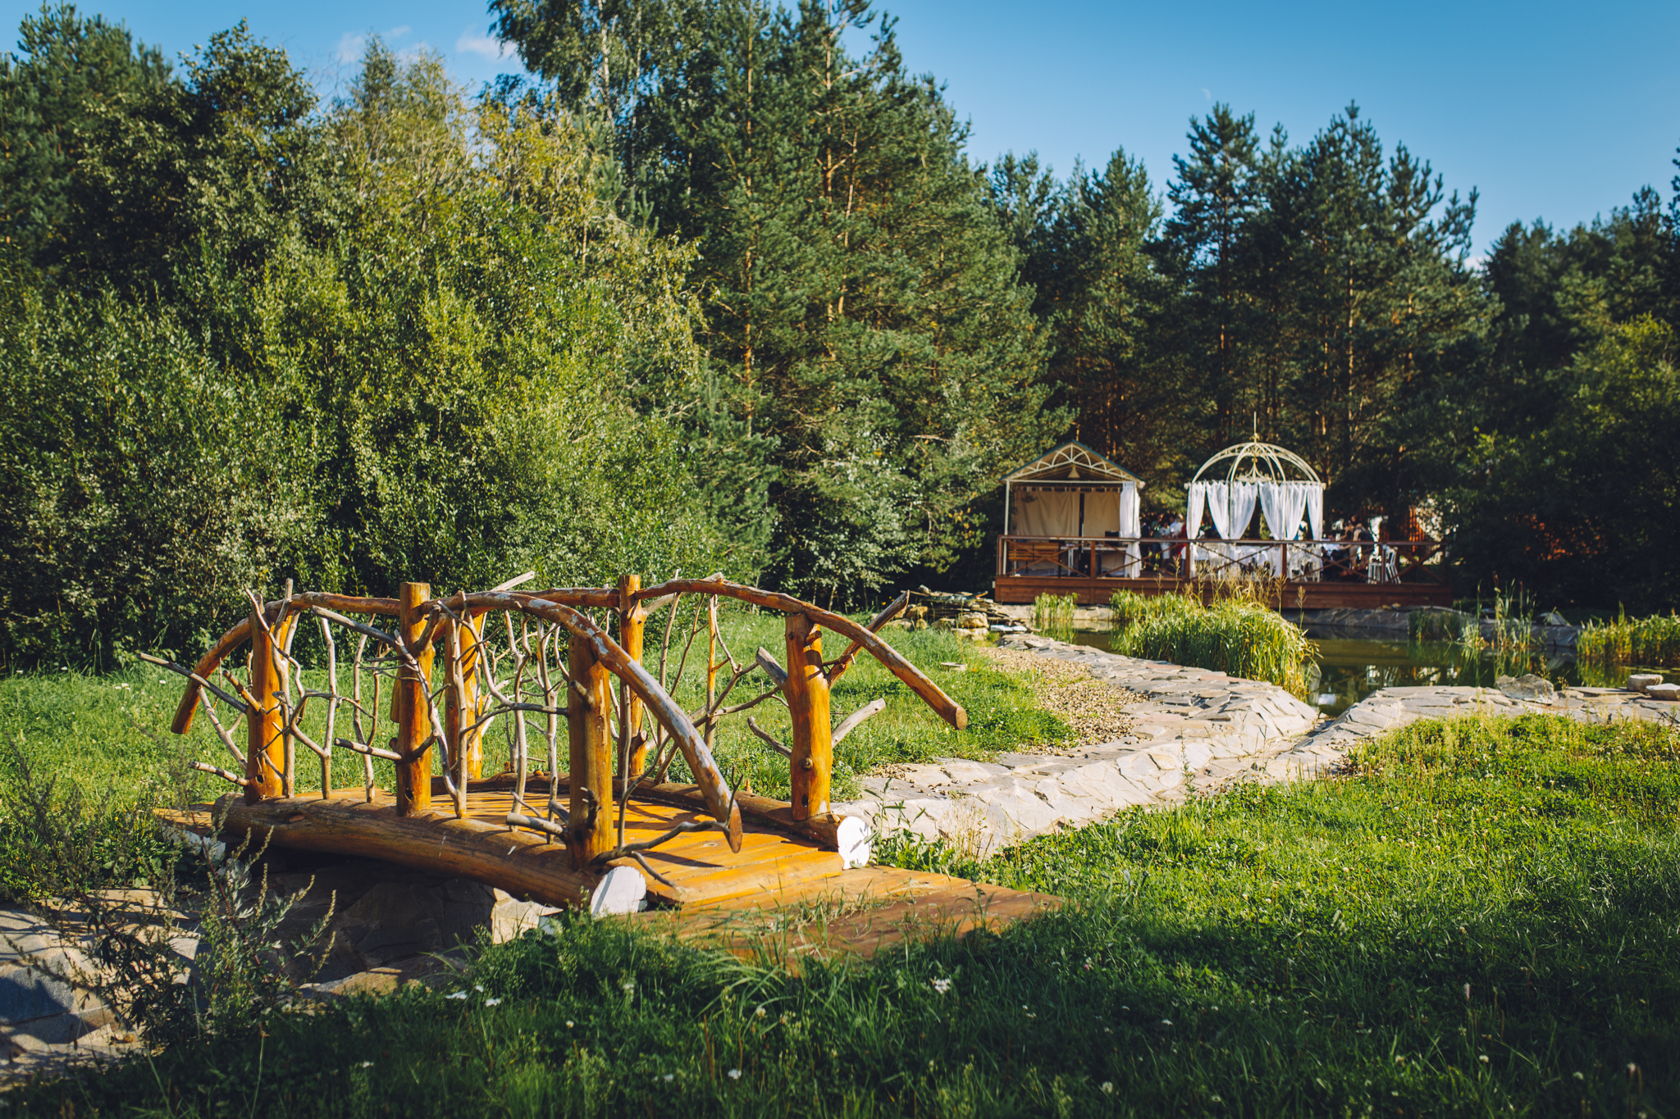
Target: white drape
1315, 510
1219, 507
1282, 504
1231, 505
1129, 510
1243, 498
1193, 509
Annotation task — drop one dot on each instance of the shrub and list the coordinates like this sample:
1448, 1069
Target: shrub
1653, 640
1235, 635
1053, 613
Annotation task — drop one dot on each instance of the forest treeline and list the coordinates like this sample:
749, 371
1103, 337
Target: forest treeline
717, 285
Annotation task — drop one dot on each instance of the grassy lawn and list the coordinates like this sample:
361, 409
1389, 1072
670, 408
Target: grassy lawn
1483, 918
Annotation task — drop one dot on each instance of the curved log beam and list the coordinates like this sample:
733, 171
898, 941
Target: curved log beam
519, 862
932, 695
241, 633
720, 802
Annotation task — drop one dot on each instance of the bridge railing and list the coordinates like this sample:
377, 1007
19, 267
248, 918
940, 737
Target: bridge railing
438, 673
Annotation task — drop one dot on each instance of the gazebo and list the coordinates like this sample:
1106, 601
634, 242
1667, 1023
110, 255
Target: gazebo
1071, 509
1072, 527
1231, 484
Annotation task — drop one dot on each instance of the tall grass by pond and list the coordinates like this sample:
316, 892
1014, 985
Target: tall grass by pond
1478, 920
1235, 634
1652, 641
1053, 615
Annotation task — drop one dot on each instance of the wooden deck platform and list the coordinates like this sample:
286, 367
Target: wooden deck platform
855, 913
1095, 591
781, 892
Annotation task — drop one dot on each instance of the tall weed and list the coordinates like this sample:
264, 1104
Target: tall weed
1236, 635
1653, 641
1053, 614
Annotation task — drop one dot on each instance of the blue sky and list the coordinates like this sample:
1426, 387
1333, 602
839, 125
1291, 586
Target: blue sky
1555, 111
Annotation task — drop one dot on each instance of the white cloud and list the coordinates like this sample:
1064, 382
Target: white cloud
351, 46
484, 46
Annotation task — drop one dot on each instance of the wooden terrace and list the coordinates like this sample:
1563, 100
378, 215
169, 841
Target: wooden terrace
1293, 574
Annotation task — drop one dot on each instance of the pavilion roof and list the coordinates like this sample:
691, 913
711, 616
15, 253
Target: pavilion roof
1073, 461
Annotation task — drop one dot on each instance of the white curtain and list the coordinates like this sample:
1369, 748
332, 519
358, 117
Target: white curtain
1243, 498
1193, 509
1045, 512
1282, 504
1219, 507
1315, 510
1231, 505
1129, 510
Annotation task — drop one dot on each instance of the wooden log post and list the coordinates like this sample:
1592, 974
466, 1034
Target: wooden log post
410, 708
590, 803
807, 699
632, 624
265, 746
463, 706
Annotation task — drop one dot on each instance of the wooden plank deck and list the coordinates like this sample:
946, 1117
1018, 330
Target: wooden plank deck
781, 892
1095, 591
855, 913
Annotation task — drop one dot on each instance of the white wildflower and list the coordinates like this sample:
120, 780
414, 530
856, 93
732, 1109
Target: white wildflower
941, 985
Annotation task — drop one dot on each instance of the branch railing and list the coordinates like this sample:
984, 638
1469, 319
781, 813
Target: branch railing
396, 679
1143, 557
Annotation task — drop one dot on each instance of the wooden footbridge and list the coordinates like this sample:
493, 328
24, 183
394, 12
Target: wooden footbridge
412, 689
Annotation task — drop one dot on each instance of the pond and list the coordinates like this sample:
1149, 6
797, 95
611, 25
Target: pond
1351, 668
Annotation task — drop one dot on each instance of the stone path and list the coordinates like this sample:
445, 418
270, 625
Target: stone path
1194, 731
1392, 708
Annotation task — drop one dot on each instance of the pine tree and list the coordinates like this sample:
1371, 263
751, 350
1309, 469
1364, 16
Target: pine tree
861, 299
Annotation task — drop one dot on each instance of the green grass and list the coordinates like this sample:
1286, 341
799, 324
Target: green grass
1480, 920
1653, 640
1234, 635
1053, 615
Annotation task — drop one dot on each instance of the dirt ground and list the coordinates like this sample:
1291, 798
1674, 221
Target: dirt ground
1096, 710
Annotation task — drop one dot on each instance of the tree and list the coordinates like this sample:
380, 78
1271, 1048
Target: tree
862, 304
1217, 259
74, 89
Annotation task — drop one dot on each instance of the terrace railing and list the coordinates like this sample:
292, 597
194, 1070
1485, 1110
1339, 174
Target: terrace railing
1144, 557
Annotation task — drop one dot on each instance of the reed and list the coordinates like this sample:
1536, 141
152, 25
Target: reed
1053, 614
1235, 635
1450, 626
1652, 642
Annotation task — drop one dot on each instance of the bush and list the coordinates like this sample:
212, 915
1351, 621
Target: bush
1235, 635
1652, 641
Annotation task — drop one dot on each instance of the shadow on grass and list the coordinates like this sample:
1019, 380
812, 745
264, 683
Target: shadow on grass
1413, 940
